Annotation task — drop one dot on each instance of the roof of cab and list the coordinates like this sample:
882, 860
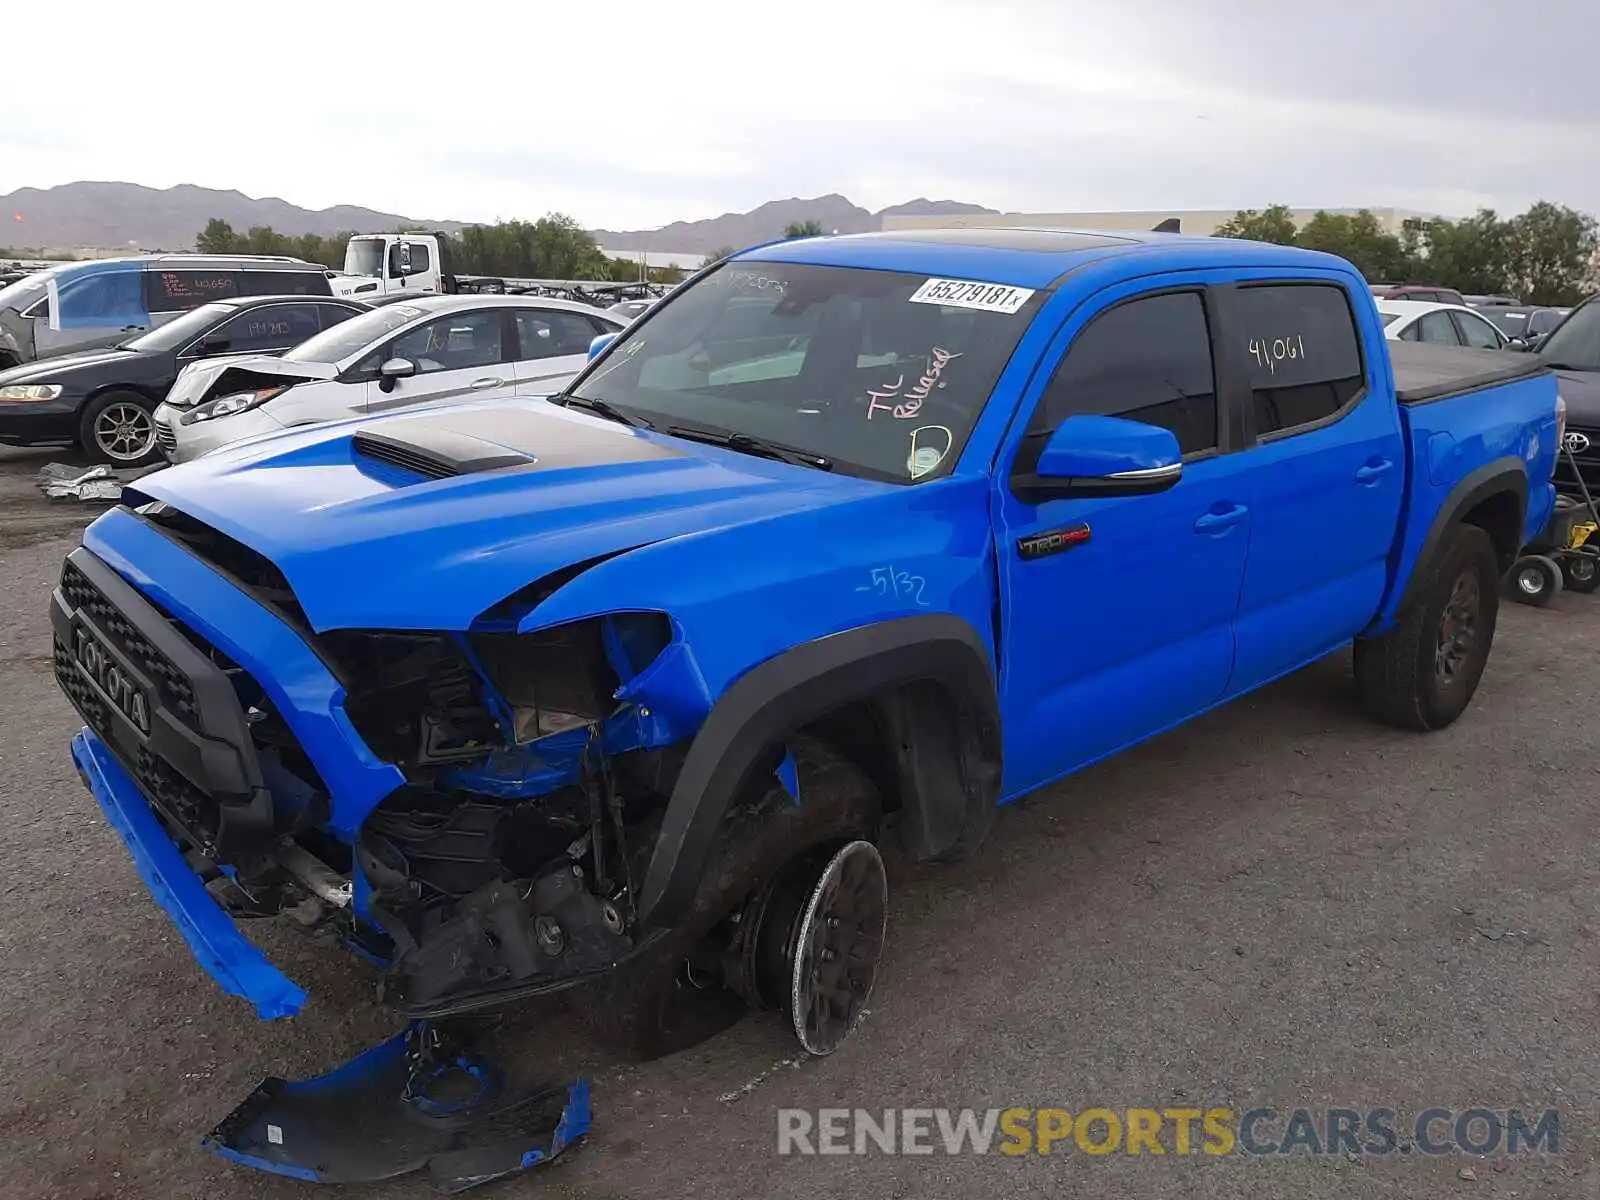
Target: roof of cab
1021, 257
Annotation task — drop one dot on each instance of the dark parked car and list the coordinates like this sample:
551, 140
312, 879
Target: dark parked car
1573, 352
1417, 291
1523, 322
102, 400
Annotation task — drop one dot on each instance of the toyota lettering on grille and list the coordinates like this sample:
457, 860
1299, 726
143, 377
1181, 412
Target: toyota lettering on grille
1575, 443
111, 679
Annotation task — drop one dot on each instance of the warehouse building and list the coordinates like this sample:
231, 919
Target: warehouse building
1196, 221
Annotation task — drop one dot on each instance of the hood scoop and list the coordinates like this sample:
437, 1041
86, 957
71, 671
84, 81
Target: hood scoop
470, 441
435, 452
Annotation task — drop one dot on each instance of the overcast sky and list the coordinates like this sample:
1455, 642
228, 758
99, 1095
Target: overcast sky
633, 113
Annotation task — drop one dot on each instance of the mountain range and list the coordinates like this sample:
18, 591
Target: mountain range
74, 216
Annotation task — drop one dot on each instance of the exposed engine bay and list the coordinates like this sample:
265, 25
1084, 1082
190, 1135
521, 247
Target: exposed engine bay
509, 862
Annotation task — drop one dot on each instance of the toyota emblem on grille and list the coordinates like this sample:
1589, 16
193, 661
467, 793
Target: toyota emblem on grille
1575, 443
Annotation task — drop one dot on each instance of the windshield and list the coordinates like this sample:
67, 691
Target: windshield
865, 368
181, 330
23, 292
1575, 342
1512, 321
363, 256
348, 337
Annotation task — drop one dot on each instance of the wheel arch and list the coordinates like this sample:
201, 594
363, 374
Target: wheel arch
912, 700
1493, 497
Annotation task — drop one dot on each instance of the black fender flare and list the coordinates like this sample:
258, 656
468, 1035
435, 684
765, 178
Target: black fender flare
1509, 474
772, 700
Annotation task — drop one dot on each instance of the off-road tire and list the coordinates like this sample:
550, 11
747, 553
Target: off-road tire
1397, 674
637, 1012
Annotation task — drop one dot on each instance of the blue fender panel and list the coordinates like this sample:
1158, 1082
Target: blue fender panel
214, 940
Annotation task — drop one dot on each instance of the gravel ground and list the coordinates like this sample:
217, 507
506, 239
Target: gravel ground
1281, 904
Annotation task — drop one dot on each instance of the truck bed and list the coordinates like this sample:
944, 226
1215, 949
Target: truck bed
1423, 372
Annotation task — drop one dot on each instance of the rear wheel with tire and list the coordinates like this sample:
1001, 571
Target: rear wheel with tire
119, 428
1422, 674
790, 914
1535, 580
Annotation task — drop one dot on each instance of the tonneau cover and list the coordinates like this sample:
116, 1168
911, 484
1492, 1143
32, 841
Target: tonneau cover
1424, 372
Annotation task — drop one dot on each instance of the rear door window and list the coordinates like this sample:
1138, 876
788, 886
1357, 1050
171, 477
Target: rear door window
552, 334
1302, 354
1437, 329
283, 283
180, 290
1475, 331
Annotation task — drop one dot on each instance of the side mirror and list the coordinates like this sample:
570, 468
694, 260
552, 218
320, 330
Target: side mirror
212, 346
1516, 343
393, 371
599, 344
1105, 456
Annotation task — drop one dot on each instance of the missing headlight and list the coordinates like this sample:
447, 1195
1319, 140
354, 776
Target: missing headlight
566, 677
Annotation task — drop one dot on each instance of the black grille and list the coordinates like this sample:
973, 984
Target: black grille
189, 810
176, 691
1588, 463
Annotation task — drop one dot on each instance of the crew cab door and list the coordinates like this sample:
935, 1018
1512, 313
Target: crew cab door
457, 356
1325, 466
1128, 628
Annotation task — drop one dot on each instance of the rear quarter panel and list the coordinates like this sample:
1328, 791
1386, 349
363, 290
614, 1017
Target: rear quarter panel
1511, 425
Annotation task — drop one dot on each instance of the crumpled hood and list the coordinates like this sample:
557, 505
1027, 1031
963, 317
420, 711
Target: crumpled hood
197, 380
366, 538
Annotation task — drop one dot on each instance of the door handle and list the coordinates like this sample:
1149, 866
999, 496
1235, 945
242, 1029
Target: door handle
487, 383
1374, 471
1220, 522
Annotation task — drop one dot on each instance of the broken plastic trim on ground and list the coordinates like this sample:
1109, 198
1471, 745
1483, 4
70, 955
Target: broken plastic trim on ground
65, 481
419, 1101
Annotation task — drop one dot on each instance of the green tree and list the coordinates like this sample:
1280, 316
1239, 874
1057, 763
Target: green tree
1275, 223
1472, 255
800, 229
720, 253
1358, 237
216, 238
1551, 252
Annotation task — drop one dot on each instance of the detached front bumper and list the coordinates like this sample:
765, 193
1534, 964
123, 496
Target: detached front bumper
214, 939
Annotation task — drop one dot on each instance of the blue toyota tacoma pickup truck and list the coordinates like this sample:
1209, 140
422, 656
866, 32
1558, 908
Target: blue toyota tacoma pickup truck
848, 539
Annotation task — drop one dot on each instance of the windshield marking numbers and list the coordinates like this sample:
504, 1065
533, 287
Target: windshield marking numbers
1270, 354
963, 293
886, 581
910, 404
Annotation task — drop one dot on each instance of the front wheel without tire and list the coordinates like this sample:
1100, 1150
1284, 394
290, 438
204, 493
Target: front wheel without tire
1422, 674
769, 861
120, 428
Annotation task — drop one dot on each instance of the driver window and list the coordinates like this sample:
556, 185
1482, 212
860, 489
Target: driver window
452, 343
1148, 360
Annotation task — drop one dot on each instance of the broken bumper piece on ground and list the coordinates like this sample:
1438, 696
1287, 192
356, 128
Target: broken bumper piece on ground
415, 1102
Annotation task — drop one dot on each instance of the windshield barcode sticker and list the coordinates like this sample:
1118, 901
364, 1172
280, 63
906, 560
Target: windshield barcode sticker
963, 293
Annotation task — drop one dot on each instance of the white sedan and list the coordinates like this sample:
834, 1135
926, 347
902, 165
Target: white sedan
1440, 324
432, 348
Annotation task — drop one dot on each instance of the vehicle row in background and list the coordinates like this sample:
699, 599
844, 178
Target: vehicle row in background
432, 348
86, 305
104, 400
